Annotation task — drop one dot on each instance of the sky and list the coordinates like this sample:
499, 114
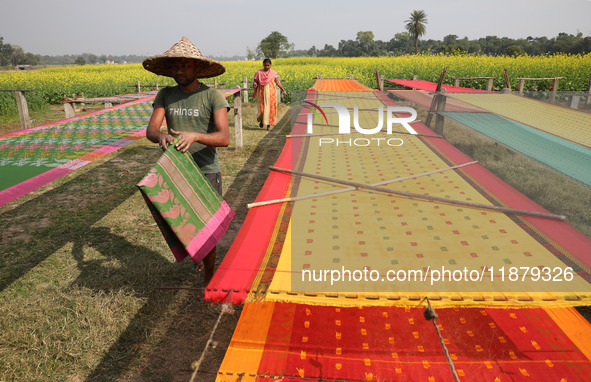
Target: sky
227, 27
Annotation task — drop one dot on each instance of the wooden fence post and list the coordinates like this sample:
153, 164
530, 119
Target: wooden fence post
554, 90
238, 119
23, 109
489, 84
521, 85
439, 119
436, 98
139, 87
589, 93
69, 109
245, 92
457, 82
507, 81
379, 81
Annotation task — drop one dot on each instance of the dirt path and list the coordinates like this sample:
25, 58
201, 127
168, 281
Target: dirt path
186, 338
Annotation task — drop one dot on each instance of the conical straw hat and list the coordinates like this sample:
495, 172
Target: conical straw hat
163, 64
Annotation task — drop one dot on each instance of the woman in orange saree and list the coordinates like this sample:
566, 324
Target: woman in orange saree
264, 88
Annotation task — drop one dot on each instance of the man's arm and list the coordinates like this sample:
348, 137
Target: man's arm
153, 132
219, 138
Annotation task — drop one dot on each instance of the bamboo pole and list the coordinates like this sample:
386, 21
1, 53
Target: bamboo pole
425, 197
303, 197
441, 78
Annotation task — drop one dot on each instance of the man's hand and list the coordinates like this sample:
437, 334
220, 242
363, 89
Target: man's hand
185, 139
164, 140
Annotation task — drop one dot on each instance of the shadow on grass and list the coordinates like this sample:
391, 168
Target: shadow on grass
108, 261
187, 335
111, 260
37, 228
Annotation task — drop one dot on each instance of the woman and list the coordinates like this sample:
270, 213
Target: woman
264, 87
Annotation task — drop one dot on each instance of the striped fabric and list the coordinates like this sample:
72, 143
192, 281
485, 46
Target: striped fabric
567, 157
189, 212
338, 84
285, 342
564, 122
431, 86
34, 157
510, 328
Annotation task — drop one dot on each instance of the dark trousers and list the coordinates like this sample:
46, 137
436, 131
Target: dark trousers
216, 181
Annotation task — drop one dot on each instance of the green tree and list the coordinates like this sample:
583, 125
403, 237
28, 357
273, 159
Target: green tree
92, 59
80, 61
274, 45
250, 54
400, 44
366, 43
328, 51
514, 51
18, 56
31, 59
415, 26
5, 53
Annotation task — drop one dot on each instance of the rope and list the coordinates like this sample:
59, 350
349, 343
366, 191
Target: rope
430, 314
225, 309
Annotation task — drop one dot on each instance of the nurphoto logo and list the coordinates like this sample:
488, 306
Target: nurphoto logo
345, 123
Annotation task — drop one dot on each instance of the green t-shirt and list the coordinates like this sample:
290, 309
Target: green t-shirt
194, 112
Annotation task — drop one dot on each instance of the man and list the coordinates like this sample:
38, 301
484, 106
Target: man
196, 115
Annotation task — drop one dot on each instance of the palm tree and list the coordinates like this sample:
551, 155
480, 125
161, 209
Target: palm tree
415, 26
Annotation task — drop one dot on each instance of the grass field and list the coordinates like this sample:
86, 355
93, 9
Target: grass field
82, 263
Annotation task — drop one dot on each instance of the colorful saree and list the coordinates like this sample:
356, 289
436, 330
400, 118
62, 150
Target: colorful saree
188, 211
267, 96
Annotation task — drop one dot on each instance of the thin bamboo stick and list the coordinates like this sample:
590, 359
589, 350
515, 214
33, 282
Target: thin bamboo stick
320, 194
425, 197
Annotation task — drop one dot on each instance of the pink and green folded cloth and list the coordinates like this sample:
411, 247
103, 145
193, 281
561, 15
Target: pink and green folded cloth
189, 212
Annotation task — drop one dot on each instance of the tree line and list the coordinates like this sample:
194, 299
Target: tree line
403, 43
14, 55
277, 45
364, 45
